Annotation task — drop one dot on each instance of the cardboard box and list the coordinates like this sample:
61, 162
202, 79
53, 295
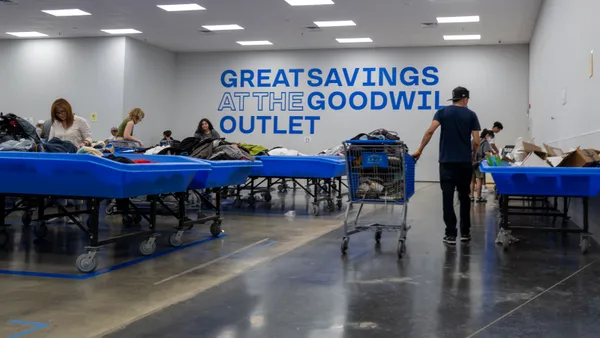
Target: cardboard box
554, 152
535, 160
532, 148
581, 158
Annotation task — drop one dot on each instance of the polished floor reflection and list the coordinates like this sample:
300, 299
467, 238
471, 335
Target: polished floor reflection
541, 287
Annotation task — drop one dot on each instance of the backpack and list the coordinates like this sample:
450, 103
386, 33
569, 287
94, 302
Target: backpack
12, 127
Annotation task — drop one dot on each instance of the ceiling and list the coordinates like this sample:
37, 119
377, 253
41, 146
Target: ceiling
390, 23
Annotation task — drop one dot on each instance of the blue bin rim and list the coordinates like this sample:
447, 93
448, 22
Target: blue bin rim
324, 159
509, 170
229, 163
183, 164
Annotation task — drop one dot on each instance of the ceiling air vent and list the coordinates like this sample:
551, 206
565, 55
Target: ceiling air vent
429, 25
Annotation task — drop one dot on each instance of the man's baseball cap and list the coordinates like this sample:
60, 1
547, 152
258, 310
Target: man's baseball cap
459, 93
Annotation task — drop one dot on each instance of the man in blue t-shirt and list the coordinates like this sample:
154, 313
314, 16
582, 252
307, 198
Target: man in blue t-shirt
457, 157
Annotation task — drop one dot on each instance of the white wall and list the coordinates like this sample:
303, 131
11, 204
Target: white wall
565, 34
86, 72
149, 85
496, 75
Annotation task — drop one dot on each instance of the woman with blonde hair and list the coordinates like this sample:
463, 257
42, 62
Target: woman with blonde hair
136, 115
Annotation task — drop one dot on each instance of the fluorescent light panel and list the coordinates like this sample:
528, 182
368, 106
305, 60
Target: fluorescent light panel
458, 19
255, 43
343, 23
66, 12
309, 2
462, 37
121, 31
27, 34
181, 7
223, 27
354, 40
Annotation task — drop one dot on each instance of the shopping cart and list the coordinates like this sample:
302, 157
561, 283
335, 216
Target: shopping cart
381, 173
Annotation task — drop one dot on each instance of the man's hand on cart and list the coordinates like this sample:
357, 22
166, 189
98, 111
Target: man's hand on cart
416, 155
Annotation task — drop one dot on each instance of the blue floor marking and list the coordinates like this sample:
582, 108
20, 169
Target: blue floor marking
258, 248
36, 326
110, 268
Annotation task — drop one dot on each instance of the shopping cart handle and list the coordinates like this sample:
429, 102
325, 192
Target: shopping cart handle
373, 142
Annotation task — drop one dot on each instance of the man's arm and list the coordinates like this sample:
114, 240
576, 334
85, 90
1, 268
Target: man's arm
476, 144
426, 138
494, 148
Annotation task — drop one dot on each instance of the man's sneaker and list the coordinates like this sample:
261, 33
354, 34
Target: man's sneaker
465, 239
449, 240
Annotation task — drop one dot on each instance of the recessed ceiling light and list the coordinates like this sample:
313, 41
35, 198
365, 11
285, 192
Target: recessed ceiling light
255, 43
462, 37
66, 12
309, 2
121, 31
458, 19
354, 40
27, 34
181, 7
343, 23
223, 27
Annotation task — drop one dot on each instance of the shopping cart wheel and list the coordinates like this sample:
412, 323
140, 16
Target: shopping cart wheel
401, 248
215, 229
267, 196
315, 210
345, 241
4, 238
585, 244
378, 236
41, 231
87, 262
176, 239
127, 220
147, 247
110, 209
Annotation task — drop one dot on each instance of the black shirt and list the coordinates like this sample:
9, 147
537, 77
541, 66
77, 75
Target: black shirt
455, 141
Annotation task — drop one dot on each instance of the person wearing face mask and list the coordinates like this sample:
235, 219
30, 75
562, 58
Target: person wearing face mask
205, 130
456, 158
485, 149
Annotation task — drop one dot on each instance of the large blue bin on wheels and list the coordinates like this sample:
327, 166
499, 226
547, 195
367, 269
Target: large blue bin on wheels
82, 175
224, 174
319, 167
544, 181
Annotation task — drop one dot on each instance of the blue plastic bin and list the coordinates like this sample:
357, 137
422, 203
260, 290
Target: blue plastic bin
320, 167
81, 175
224, 173
554, 182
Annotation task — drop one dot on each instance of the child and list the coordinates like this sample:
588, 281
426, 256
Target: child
485, 149
167, 136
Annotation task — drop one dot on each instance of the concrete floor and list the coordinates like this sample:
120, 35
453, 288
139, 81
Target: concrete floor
274, 276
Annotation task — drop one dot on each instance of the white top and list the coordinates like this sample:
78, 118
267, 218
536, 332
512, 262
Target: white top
80, 131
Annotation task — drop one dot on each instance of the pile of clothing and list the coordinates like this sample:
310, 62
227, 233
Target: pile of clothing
377, 134
208, 149
17, 134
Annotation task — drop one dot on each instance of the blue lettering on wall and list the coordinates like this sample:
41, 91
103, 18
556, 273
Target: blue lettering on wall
226, 102
315, 79
342, 100
316, 101
224, 127
363, 100
424, 94
294, 125
246, 77
333, 78
263, 78
281, 79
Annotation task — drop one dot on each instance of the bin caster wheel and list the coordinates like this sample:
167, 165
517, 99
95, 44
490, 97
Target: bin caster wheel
315, 210
4, 238
401, 248
41, 231
585, 244
268, 197
330, 205
127, 220
378, 236
87, 262
282, 188
175, 240
110, 209
148, 247
26, 218
251, 201
215, 229
344, 248
339, 204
